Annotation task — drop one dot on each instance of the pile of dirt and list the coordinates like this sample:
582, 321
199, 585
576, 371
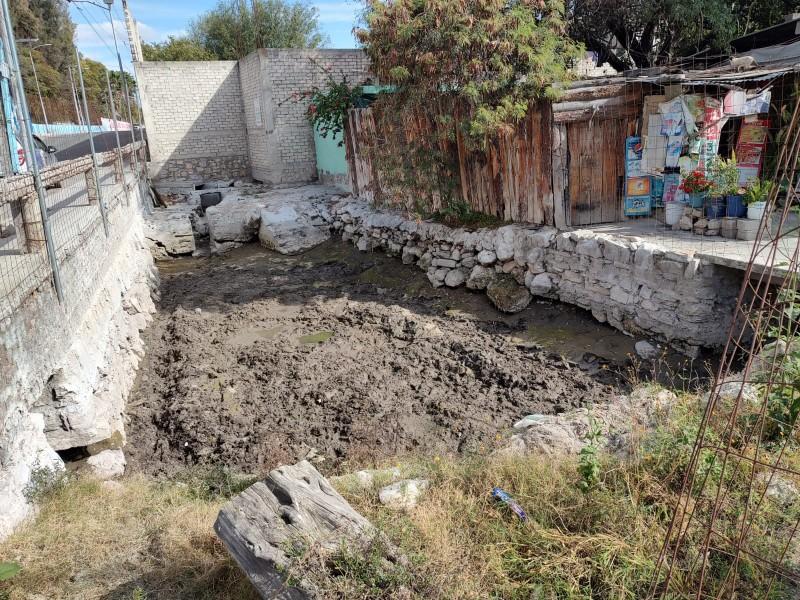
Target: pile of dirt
255, 359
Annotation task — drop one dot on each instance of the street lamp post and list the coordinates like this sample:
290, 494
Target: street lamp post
36, 76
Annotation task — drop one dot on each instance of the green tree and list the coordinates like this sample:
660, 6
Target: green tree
235, 28
176, 48
485, 60
642, 33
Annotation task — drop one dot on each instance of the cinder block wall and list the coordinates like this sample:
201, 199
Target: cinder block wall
194, 117
280, 138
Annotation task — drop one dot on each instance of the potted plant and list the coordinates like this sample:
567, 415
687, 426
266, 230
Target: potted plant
755, 196
725, 174
696, 185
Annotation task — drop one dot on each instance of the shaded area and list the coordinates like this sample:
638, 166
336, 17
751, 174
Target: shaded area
257, 359
103, 142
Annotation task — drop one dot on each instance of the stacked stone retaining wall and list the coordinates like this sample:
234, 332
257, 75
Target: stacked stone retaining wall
635, 286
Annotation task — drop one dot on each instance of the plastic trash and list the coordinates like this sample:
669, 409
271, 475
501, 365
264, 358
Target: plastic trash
502, 496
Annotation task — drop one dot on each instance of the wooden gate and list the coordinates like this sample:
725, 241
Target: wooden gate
596, 160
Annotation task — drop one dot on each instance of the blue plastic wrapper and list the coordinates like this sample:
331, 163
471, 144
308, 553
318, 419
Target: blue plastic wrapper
502, 496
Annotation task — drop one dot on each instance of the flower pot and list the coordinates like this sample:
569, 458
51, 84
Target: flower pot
673, 211
697, 200
735, 207
715, 209
755, 210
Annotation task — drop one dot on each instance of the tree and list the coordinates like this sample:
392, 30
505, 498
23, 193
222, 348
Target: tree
485, 59
176, 48
235, 28
643, 33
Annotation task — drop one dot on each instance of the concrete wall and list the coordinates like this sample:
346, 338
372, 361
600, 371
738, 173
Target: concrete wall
194, 117
281, 141
73, 394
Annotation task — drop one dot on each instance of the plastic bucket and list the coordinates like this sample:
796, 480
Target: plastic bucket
673, 211
715, 208
697, 200
755, 211
735, 207
747, 229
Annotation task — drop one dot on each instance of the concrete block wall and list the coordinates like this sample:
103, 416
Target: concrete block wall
280, 138
195, 119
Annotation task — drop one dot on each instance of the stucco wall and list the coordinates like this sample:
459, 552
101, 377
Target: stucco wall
194, 117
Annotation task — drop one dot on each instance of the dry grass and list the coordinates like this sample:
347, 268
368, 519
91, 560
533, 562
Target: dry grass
143, 540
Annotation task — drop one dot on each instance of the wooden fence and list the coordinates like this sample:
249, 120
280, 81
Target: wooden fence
563, 165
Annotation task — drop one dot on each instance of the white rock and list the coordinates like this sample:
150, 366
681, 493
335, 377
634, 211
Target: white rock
109, 464
170, 232
529, 421
541, 284
486, 258
646, 350
403, 495
455, 278
285, 230
480, 277
504, 243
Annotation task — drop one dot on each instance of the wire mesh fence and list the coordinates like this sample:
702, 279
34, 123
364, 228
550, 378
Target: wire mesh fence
79, 211
734, 530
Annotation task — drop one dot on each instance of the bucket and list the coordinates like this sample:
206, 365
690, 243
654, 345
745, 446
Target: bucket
673, 211
747, 229
697, 200
715, 208
735, 207
755, 211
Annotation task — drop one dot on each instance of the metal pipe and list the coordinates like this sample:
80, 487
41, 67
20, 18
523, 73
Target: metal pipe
116, 134
38, 87
75, 97
22, 104
96, 168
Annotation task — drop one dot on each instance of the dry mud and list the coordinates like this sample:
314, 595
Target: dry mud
256, 359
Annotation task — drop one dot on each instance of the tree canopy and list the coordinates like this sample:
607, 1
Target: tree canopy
644, 33
487, 58
176, 48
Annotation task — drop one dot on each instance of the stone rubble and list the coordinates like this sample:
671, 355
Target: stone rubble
403, 495
633, 285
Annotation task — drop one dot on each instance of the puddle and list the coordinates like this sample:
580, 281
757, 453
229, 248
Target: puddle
251, 336
316, 338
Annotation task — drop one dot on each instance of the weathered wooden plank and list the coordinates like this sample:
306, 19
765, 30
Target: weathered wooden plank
560, 171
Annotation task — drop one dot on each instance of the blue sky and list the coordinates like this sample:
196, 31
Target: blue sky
161, 18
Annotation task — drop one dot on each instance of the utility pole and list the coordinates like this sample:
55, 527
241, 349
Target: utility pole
133, 33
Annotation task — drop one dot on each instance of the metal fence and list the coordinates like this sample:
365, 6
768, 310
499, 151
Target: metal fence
84, 207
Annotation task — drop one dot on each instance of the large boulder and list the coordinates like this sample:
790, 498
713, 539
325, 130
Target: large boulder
293, 509
507, 295
286, 229
232, 224
480, 277
170, 232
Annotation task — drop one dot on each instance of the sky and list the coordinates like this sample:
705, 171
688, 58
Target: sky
161, 18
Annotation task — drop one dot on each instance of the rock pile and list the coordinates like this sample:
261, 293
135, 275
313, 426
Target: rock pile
695, 221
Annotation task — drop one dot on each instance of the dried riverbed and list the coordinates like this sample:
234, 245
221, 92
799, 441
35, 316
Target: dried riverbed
256, 359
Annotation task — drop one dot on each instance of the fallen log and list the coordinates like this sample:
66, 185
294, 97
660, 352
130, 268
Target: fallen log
293, 509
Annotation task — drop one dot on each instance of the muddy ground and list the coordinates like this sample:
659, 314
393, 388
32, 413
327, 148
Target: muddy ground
256, 359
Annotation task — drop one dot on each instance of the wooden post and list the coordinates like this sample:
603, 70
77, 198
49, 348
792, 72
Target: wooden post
119, 175
28, 224
560, 152
91, 186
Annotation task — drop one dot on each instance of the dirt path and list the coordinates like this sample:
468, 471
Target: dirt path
256, 359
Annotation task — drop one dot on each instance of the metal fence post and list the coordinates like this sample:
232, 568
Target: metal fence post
95, 167
118, 165
30, 148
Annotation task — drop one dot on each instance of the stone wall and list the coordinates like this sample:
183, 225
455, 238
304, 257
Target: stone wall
194, 117
633, 285
67, 368
280, 139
